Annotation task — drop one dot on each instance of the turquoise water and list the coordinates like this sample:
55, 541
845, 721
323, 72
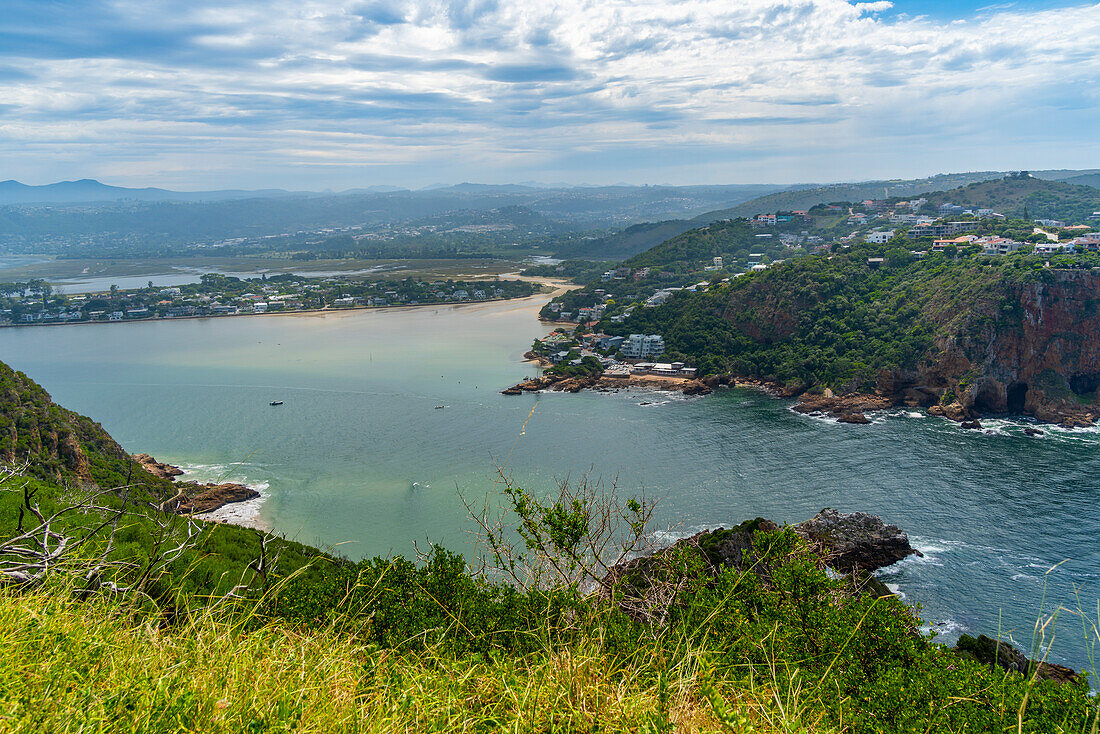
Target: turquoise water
360, 457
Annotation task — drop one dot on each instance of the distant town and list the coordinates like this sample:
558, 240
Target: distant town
35, 301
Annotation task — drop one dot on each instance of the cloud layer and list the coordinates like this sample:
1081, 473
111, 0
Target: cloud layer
301, 94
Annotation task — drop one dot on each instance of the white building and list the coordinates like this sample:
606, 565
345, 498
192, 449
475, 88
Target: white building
880, 238
640, 346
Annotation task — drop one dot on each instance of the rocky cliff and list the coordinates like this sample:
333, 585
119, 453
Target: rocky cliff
55, 443
1036, 353
964, 339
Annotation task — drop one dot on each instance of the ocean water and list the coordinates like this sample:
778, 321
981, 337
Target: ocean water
361, 458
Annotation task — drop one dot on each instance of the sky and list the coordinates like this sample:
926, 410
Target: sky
301, 94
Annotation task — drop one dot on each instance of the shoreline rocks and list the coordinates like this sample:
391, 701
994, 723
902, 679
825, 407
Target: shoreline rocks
558, 383
856, 541
156, 468
852, 545
997, 653
194, 497
210, 497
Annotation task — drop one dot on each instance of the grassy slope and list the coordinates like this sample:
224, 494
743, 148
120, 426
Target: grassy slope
1042, 199
388, 645
795, 655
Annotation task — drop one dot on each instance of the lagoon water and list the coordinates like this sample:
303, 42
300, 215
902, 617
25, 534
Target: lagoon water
360, 457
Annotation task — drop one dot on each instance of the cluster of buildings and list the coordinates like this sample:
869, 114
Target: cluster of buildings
611, 351
259, 298
993, 245
772, 220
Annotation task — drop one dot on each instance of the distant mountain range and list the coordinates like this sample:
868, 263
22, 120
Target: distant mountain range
90, 190
91, 218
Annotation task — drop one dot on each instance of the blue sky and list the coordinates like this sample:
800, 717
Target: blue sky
310, 94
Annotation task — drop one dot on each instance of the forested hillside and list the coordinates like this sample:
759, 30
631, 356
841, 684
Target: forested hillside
57, 444
1025, 196
996, 333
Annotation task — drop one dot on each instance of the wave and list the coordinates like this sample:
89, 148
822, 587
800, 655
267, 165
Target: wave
944, 627
245, 514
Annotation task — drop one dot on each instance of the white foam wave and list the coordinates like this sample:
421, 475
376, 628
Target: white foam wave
246, 514
943, 627
895, 589
932, 549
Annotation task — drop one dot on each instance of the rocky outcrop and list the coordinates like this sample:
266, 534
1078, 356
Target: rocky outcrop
156, 468
1033, 352
996, 653
194, 497
856, 541
854, 544
1002, 343
200, 498
845, 408
54, 444
558, 383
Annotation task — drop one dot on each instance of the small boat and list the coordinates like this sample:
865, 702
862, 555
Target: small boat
440, 407
276, 402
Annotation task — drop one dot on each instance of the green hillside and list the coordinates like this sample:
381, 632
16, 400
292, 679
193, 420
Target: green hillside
804, 199
626, 243
1091, 179
245, 632
1014, 195
57, 444
734, 239
821, 320
952, 328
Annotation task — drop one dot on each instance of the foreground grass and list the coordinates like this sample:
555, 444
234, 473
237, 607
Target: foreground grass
71, 666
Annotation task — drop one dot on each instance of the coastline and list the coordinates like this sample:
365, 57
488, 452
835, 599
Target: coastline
235, 503
245, 514
298, 312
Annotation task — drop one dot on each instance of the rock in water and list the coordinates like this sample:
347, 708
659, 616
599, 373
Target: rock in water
209, 497
996, 653
156, 468
856, 541
974, 424
1032, 432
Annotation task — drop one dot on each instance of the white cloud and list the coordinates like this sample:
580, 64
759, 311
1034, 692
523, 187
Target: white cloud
791, 89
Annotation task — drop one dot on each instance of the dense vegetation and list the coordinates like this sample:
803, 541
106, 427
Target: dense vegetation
833, 321
578, 271
227, 638
1025, 196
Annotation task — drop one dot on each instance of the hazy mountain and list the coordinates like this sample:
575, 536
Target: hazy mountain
89, 190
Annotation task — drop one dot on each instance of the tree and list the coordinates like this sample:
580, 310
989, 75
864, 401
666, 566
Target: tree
898, 258
40, 288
